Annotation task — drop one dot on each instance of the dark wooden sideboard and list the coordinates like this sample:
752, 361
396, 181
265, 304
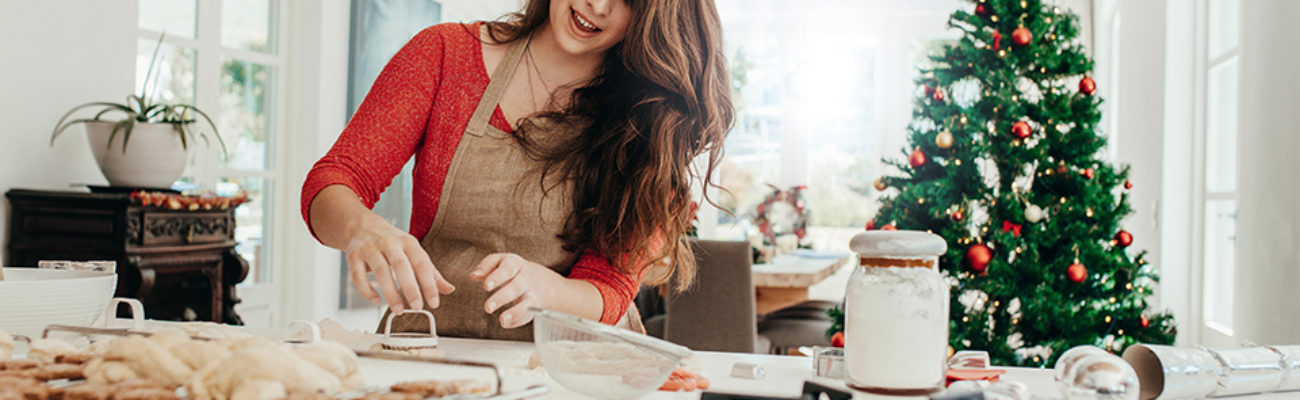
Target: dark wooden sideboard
181, 264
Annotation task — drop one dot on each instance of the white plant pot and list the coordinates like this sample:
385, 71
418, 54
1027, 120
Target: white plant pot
154, 156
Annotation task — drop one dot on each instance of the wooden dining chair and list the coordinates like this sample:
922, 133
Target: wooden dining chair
717, 312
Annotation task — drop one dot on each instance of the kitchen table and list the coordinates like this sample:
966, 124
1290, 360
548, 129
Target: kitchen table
784, 281
784, 374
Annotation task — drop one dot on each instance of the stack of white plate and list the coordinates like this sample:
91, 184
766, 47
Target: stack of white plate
31, 299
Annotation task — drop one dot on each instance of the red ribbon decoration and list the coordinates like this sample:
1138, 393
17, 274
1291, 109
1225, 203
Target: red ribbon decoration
1007, 226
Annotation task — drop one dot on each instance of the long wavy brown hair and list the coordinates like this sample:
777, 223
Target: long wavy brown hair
660, 99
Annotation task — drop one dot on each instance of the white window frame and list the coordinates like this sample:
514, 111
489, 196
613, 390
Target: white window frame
1211, 333
206, 170
1184, 192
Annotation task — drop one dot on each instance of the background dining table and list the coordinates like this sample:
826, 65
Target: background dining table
786, 280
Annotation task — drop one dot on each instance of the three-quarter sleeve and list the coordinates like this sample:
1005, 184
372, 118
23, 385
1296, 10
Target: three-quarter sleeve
387, 128
617, 286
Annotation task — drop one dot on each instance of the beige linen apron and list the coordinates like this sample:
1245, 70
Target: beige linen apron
492, 202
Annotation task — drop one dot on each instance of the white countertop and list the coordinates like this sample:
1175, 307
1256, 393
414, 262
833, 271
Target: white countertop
785, 375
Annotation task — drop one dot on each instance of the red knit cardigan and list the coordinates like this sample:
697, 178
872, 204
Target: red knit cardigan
419, 105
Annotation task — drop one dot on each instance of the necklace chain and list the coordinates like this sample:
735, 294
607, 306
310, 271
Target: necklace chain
533, 63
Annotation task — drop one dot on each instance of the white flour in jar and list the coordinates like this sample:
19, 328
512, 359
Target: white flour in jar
896, 328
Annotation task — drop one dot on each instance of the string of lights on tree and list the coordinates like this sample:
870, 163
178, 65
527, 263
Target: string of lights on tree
1004, 162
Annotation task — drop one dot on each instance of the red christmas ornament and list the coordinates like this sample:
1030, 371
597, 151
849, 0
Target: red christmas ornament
889, 227
1022, 36
938, 95
1077, 272
997, 40
837, 340
1146, 323
981, 9
917, 159
1087, 85
1088, 173
1021, 129
1127, 184
978, 257
1007, 226
1123, 238
958, 215
871, 225
929, 90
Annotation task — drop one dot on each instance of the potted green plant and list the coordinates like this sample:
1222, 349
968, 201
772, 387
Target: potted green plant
159, 135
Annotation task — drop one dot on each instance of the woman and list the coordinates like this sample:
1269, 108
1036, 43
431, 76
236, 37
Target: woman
565, 208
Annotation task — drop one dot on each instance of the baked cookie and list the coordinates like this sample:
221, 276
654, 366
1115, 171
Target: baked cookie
436, 388
144, 394
140, 384
59, 371
313, 396
6, 345
49, 349
78, 358
390, 396
87, 391
14, 365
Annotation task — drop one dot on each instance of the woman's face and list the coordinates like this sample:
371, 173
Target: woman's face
585, 27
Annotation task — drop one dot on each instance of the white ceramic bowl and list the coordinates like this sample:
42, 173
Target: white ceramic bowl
600, 360
31, 299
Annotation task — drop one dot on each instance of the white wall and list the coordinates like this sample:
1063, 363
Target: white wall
473, 10
54, 55
1268, 224
317, 52
1129, 39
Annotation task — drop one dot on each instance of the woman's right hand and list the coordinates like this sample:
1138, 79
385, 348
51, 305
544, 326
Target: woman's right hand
401, 267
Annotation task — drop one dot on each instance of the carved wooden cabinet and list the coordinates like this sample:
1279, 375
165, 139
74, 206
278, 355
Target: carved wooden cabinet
180, 264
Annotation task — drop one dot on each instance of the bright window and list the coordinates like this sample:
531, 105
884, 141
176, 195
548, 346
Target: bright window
222, 56
821, 95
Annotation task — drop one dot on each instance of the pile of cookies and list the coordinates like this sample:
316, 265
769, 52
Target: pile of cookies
154, 367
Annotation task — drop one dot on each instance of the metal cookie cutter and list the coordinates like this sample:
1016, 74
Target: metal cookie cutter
410, 340
829, 362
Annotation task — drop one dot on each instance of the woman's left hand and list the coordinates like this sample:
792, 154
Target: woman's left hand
515, 280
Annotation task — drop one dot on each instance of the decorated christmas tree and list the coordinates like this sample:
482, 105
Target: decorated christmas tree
1004, 161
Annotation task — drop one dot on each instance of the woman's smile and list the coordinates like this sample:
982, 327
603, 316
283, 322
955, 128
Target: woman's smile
582, 26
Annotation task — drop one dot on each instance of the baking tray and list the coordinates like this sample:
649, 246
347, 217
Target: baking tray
498, 393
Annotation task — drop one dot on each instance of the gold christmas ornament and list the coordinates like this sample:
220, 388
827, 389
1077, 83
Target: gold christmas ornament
943, 140
880, 184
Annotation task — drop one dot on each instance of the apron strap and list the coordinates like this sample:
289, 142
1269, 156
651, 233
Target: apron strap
478, 124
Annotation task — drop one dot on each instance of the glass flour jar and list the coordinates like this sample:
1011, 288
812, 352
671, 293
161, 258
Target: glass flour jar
896, 314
